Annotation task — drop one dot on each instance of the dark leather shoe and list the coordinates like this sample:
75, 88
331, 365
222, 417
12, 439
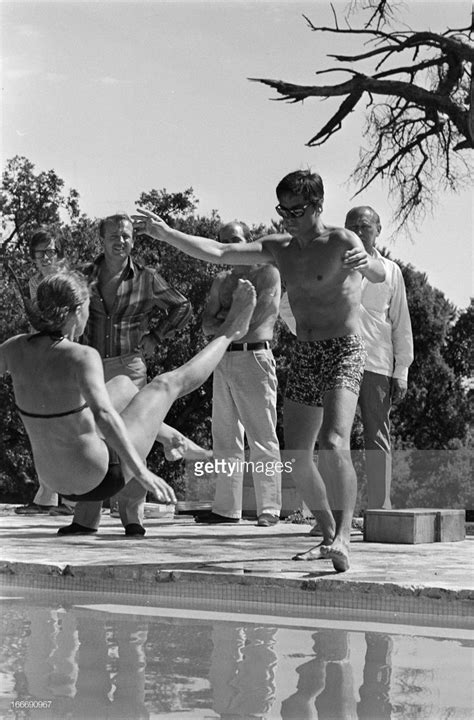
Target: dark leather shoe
134, 530
212, 518
76, 529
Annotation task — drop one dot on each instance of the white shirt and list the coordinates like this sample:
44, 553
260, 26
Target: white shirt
384, 323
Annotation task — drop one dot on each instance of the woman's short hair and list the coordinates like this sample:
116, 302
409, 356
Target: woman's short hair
302, 182
58, 295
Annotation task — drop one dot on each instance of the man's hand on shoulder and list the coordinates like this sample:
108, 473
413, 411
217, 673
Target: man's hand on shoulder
355, 257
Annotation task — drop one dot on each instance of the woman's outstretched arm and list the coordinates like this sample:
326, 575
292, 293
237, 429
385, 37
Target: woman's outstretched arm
90, 376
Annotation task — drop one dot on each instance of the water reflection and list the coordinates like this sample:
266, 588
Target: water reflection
242, 673
325, 687
94, 665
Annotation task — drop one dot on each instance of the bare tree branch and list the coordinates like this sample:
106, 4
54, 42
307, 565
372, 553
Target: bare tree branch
420, 112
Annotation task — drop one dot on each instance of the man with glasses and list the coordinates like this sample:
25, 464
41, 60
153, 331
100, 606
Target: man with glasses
386, 329
317, 264
244, 393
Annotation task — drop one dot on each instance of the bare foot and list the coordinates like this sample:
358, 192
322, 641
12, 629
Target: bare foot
313, 554
181, 447
244, 299
338, 552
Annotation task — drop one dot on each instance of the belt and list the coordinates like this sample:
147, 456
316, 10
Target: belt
249, 346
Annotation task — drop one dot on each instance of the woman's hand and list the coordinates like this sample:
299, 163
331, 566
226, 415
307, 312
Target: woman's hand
160, 489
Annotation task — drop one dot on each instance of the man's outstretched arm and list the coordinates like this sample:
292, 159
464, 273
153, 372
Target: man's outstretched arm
147, 223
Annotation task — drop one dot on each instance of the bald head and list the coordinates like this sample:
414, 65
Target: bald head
364, 211
364, 222
234, 232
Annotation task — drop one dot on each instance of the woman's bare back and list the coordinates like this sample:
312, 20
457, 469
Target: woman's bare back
66, 447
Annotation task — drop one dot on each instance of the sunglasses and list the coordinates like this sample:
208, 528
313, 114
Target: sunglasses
296, 212
49, 252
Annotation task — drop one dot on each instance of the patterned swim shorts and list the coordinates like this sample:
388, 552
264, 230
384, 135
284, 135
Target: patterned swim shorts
323, 365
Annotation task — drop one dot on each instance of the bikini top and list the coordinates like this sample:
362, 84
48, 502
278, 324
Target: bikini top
57, 338
51, 415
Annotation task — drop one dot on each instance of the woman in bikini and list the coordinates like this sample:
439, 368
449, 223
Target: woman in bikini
76, 422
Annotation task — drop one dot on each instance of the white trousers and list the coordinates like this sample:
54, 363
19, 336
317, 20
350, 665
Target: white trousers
244, 402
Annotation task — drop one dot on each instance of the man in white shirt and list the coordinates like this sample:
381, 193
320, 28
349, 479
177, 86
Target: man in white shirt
386, 329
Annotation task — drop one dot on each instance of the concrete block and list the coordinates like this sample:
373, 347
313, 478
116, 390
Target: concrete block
414, 525
450, 525
411, 526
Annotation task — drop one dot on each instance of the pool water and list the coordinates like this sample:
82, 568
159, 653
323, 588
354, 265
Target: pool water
77, 657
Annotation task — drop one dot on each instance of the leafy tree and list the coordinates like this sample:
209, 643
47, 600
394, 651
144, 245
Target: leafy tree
459, 350
28, 199
436, 408
431, 428
419, 115
170, 206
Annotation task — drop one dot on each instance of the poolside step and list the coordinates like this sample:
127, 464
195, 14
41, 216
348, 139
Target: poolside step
414, 525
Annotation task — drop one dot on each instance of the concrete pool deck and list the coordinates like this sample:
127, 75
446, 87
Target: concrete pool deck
177, 551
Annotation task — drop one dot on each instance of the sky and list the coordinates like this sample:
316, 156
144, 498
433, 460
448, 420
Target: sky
122, 97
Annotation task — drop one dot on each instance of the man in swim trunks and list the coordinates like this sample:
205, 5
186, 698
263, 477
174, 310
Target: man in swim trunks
318, 265
386, 330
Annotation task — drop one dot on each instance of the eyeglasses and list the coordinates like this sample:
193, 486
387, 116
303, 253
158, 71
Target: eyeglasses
41, 254
295, 212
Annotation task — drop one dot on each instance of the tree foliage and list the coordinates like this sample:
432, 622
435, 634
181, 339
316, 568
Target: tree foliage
459, 350
29, 199
436, 409
419, 110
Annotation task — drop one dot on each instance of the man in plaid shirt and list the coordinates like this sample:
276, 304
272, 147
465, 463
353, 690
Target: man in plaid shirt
124, 293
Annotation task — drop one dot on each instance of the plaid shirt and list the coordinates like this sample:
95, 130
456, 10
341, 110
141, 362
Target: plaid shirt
141, 290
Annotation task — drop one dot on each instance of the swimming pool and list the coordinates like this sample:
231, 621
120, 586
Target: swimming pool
75, 655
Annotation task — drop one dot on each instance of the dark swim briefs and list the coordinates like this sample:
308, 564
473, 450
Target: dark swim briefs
112, 483
323, 365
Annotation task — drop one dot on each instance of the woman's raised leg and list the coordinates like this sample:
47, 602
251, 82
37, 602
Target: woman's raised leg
146, 411
176, 446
